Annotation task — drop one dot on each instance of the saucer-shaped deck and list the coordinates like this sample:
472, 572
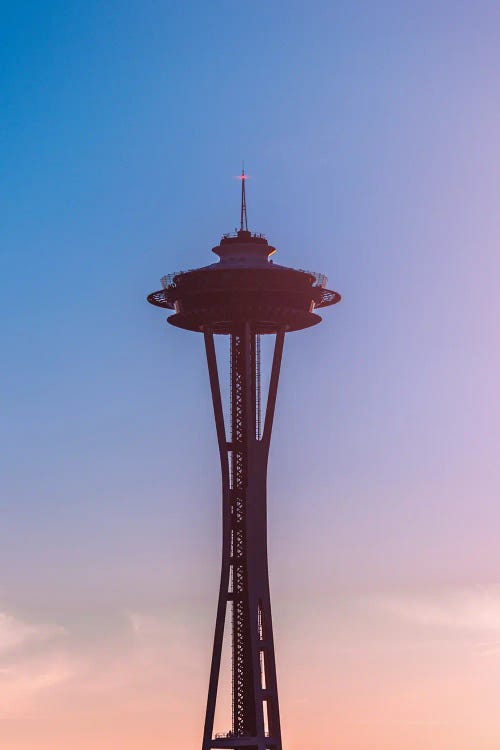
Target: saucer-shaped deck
244, 286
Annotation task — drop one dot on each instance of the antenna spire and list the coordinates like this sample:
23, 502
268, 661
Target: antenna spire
243, 215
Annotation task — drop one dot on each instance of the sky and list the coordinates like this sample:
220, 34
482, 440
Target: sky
370, 134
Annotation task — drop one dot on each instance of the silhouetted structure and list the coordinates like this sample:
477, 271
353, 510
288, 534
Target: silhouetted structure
243, 296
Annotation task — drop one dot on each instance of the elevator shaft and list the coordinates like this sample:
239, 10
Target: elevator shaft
243, 399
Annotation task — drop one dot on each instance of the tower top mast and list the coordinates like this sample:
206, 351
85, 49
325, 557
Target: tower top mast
243, 214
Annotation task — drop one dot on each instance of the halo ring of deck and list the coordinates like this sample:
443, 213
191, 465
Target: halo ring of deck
272, 297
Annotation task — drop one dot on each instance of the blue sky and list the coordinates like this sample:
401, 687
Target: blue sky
370, 133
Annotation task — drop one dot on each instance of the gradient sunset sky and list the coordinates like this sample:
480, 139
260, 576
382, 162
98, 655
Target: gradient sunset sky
371, 131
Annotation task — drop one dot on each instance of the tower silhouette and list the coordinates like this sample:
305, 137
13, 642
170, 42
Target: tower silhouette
244, 295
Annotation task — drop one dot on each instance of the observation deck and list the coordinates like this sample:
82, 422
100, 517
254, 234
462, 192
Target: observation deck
244, 285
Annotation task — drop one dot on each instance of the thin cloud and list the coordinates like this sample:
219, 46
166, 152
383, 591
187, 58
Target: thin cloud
474, 609
31, 663
21, 684
15, 633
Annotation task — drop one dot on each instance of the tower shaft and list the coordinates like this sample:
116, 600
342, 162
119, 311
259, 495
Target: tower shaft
244, 574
